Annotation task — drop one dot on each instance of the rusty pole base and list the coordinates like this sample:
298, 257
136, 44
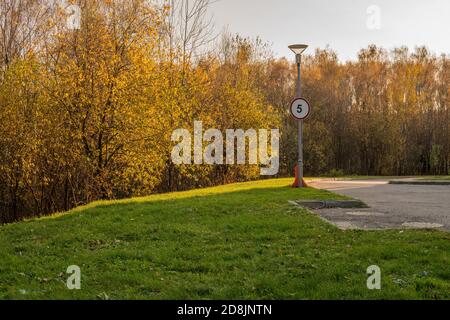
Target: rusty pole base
297, 183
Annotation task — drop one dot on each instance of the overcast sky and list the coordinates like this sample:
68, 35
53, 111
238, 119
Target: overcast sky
345, 25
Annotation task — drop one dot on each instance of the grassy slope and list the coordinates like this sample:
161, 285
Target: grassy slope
238, 241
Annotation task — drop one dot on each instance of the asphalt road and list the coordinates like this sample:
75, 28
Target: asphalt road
391, 206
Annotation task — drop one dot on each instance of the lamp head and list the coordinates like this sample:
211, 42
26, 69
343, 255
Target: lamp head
298, 49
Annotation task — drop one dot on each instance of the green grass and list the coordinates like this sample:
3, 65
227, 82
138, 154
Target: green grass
436, 178
242, 241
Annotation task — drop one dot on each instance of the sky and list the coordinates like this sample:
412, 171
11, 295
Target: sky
345, 25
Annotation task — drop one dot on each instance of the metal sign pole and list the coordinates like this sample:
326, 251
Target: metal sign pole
300, 109
300, 123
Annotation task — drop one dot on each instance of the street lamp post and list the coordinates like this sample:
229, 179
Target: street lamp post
298, 49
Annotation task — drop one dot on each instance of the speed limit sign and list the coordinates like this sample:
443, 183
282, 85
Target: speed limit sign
300, 109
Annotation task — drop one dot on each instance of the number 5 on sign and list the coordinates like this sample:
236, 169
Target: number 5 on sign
300, 109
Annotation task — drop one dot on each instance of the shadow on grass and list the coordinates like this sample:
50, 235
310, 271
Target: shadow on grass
282, 192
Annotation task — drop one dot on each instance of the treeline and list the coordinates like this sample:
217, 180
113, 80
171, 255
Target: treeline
385, 114
88, 114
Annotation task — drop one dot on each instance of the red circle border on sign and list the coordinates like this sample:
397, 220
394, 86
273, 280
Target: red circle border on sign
292, 114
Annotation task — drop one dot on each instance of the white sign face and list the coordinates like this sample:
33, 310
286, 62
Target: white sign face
300, 109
